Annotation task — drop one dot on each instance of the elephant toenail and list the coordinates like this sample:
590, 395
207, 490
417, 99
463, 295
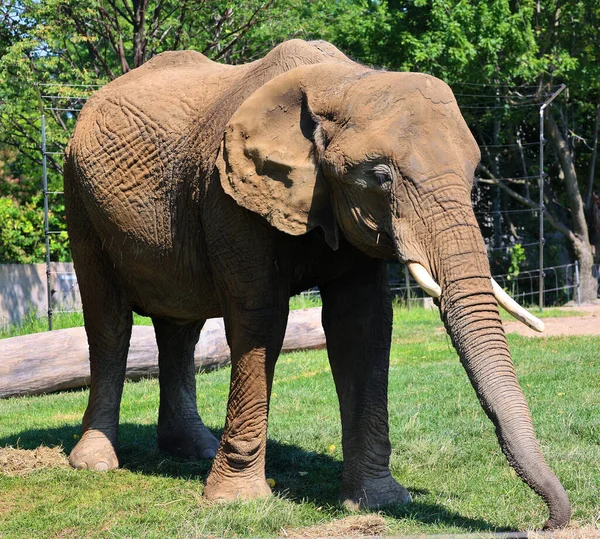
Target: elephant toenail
101, 466
209, 453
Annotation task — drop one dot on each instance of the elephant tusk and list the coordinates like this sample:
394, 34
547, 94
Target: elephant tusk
512, 307
424, 280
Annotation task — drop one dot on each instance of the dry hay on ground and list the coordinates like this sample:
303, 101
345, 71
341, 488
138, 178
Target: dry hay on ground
572, 532
354, 526
375, 525
17, 462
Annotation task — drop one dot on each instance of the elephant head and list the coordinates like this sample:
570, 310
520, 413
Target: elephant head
388, 158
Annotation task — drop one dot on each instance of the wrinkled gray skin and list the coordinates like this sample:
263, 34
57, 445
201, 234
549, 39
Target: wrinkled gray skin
197, 190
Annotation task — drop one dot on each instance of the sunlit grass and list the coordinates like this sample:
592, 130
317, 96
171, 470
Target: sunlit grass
33, 323
445, 450
36, 324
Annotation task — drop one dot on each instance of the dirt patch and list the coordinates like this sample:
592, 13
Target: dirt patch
18, 462
354, 526
371, 525
589, 324
572, 532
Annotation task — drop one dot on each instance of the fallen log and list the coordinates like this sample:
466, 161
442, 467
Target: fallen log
59, 359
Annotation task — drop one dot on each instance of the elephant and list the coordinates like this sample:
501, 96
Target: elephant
196, 189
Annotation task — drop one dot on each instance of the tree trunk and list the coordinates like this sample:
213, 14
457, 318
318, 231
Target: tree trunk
588, 199
579, 237
139, 32
496, 202
588, 283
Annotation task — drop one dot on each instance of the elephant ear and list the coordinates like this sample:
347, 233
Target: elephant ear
268, 162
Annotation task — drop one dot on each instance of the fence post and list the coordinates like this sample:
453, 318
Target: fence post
541, 223
407, 285
577, 284
46, 219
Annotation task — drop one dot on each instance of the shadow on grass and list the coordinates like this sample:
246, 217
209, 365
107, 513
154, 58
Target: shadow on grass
431, 513
301, 476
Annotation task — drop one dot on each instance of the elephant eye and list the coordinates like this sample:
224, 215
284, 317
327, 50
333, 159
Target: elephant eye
383, 174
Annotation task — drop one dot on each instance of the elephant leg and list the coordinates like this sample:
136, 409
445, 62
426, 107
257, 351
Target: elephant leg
357, 319
255, 337
180, 429
108, 322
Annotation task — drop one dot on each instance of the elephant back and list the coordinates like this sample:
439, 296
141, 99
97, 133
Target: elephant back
145, 145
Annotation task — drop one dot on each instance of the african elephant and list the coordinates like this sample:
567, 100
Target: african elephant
196, 189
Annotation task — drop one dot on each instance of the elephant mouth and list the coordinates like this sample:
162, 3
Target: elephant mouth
430, 287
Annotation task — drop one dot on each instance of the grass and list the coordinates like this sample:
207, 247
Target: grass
445, 450
32, 323
36, 324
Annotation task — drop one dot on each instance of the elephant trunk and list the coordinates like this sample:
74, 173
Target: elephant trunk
470, 313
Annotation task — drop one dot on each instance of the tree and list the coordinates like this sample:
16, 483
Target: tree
495, 54
55, 53
503, 59
62, 42
566, 52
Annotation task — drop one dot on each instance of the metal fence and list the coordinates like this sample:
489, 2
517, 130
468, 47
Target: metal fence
558, 284
405, 289
561, 285
60, 106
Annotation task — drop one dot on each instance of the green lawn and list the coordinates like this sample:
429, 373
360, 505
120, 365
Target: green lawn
34, 324
445, 451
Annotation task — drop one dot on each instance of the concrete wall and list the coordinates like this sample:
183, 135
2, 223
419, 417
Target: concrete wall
23, 290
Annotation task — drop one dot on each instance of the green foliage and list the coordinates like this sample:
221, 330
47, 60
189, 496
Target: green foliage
465, 42
22, 239
21, 232
517, 257
305, 301
32, 323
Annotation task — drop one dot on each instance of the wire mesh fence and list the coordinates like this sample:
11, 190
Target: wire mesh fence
561, 285
63, 102
65, 292
58, 103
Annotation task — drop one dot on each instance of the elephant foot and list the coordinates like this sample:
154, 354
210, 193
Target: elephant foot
188, 441
242, 488
95, 451
375, 493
